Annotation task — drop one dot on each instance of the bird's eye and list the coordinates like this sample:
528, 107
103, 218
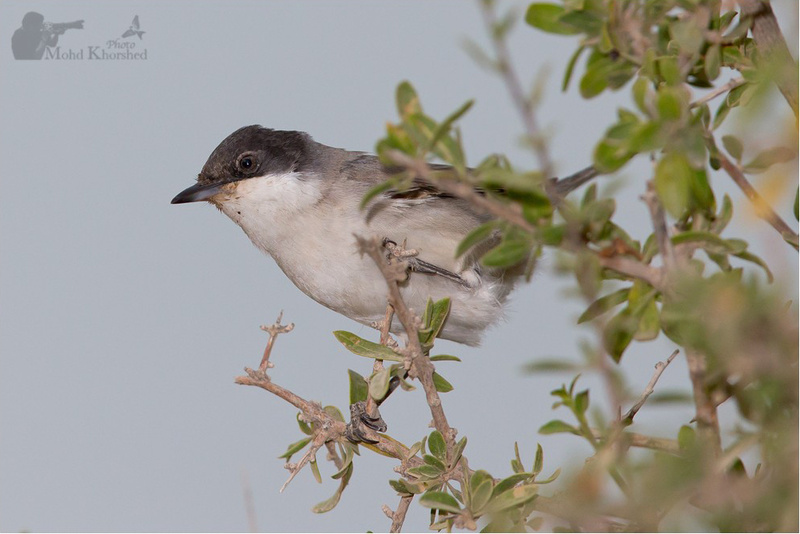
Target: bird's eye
247, 163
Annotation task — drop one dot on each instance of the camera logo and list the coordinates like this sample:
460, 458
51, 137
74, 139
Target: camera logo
39, 39
35, 35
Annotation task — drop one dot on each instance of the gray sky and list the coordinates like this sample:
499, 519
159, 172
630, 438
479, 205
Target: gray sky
125, 319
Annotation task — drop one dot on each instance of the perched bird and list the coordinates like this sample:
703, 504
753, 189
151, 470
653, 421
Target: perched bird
299, 201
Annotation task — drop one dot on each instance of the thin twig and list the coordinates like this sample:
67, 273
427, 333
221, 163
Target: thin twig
523, 104
660, 366
399, 515
762, 208
273, 330
249, 503
318, 441
660, 228
711, 95
705, 408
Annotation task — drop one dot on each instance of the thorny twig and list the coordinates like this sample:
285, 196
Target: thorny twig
273, 330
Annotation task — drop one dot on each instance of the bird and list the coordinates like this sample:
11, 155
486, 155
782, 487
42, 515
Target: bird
299, 201
134, 29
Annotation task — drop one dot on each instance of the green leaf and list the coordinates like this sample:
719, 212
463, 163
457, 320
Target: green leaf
670, 103
796, 205
747, 256
506, 254
546, 17
441, 385
330, 504
438, 315
358, 387
556, 426
713, 62
437, 445
673, 182
315, 471
399, 487
425, 472
407, 100
334, 412
686, 437
375, 191
475, 237
618, 333
367, 349
447, 123
770, 157
582, 401
551, 478
481, 496
649, 324
445, 357
721, 114
603, 304
305, 428
710, 242
458, 451
379, 384
509, 482
513, 498
571, 67
434, 462
549, 366
294, 448
733, 146
538, 462
439, 500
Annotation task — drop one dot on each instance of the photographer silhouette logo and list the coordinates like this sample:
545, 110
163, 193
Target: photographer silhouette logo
39, 39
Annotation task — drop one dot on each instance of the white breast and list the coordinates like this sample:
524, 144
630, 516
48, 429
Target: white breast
313, 243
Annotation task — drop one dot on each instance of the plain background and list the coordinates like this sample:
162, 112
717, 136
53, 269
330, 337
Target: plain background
124, 319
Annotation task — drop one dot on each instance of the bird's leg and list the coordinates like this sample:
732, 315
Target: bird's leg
417, 265
365, 419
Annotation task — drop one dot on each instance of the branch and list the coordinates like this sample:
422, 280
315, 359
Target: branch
523, 104
763, 209
512, 213
660, 228
420, 365
399, 515
711, 95
705, 407
772, 46
660, 366
273, 330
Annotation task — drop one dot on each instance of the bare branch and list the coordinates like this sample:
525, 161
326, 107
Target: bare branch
660, 366
399, 515
319, 440
523, 104
711, 95
273, 330
660, 228
763, 209
705, 408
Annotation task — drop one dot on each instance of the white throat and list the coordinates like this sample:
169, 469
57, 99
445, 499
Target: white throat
265, 206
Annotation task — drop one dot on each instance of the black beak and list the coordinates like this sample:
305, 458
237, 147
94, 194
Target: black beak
197, 192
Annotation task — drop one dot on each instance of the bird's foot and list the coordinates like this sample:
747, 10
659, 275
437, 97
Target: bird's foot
417, 265
363, 426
